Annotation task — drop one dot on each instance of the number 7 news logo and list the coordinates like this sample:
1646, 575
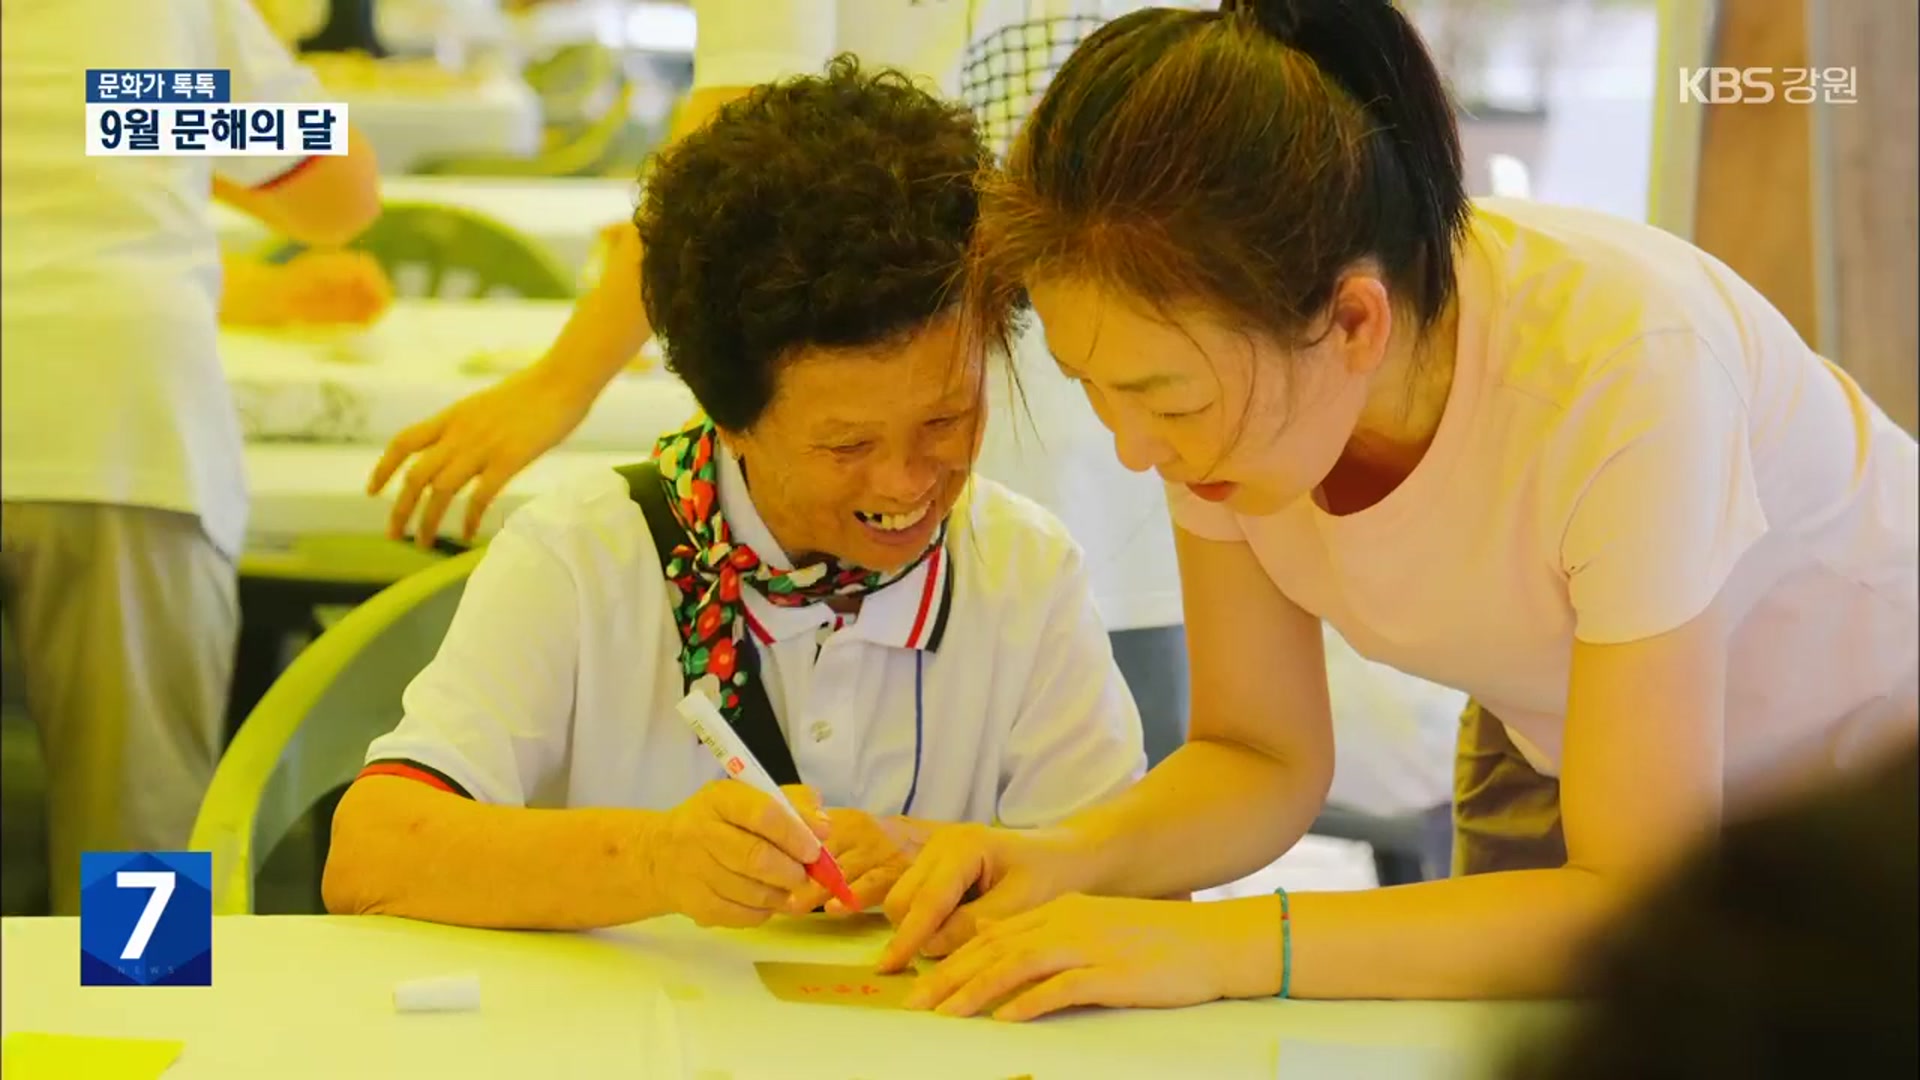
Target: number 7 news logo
146, 918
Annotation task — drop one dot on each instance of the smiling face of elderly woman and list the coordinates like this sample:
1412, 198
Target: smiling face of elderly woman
801, 264
862, 452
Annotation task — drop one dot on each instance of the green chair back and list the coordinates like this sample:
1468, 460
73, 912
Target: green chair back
309, 734
567, 81
445, 252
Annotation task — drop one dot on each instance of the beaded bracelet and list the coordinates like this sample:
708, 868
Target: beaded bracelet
1286, 944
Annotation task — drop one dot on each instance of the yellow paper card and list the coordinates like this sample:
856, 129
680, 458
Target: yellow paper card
34, 1055
834, 984
842, 984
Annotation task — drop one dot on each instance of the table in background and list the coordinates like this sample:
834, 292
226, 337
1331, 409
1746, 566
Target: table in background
318, 407
295, 997
496, 113
314, 490
367, 384
564, 214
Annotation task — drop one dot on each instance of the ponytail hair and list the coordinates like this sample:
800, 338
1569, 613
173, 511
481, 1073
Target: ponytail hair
1372, 51
1242, 159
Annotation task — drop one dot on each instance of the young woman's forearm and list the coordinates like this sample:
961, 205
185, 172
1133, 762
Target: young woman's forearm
608, 326
1505, 935
1211, 813
403, 848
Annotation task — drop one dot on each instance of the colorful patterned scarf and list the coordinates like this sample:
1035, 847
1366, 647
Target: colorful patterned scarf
708, 570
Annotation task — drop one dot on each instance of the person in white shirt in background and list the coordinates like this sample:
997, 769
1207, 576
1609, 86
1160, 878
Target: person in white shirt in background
926, 641
1042, 440
125, 493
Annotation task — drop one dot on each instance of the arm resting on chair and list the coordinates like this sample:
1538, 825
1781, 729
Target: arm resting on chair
403, 848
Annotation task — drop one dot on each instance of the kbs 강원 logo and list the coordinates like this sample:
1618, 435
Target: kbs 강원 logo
146, 918
1760, 85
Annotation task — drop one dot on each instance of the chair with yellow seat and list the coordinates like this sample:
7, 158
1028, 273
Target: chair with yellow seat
290, 594
308, 736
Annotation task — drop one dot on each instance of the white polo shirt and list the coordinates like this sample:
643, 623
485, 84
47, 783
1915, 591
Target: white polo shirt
113, 392
979, 687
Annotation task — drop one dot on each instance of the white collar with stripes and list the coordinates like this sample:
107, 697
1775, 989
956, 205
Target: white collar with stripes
911, 613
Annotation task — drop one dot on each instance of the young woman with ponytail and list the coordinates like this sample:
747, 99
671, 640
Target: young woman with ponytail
1568, 464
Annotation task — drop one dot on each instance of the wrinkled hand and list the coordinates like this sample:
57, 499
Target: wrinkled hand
489, 437
1083, 950
730, 856
1009, 871
872, 853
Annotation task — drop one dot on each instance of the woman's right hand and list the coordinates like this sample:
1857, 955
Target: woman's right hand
489, 437
1007, 871
731, 856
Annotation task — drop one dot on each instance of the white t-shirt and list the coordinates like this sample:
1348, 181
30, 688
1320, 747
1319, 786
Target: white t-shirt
111, 272
981, 685
1632, 431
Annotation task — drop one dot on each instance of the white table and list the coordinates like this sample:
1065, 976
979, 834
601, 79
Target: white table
296, 997
365, 385
321, 490
563, 214
318, 408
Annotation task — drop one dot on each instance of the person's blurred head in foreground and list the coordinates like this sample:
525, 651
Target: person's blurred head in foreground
802, 259
1788, 951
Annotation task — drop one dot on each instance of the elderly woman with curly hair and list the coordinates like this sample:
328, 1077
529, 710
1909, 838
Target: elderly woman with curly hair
913, 643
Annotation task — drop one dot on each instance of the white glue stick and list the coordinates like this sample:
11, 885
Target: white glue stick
448, 993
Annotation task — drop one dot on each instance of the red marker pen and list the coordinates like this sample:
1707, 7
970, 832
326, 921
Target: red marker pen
827, 872
724, 743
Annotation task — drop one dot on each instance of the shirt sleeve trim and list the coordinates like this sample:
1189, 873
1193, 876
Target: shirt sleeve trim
413, 770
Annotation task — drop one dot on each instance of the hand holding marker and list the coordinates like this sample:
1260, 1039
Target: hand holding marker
724, 743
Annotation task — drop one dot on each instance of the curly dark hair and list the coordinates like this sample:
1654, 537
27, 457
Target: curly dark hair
829, 211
